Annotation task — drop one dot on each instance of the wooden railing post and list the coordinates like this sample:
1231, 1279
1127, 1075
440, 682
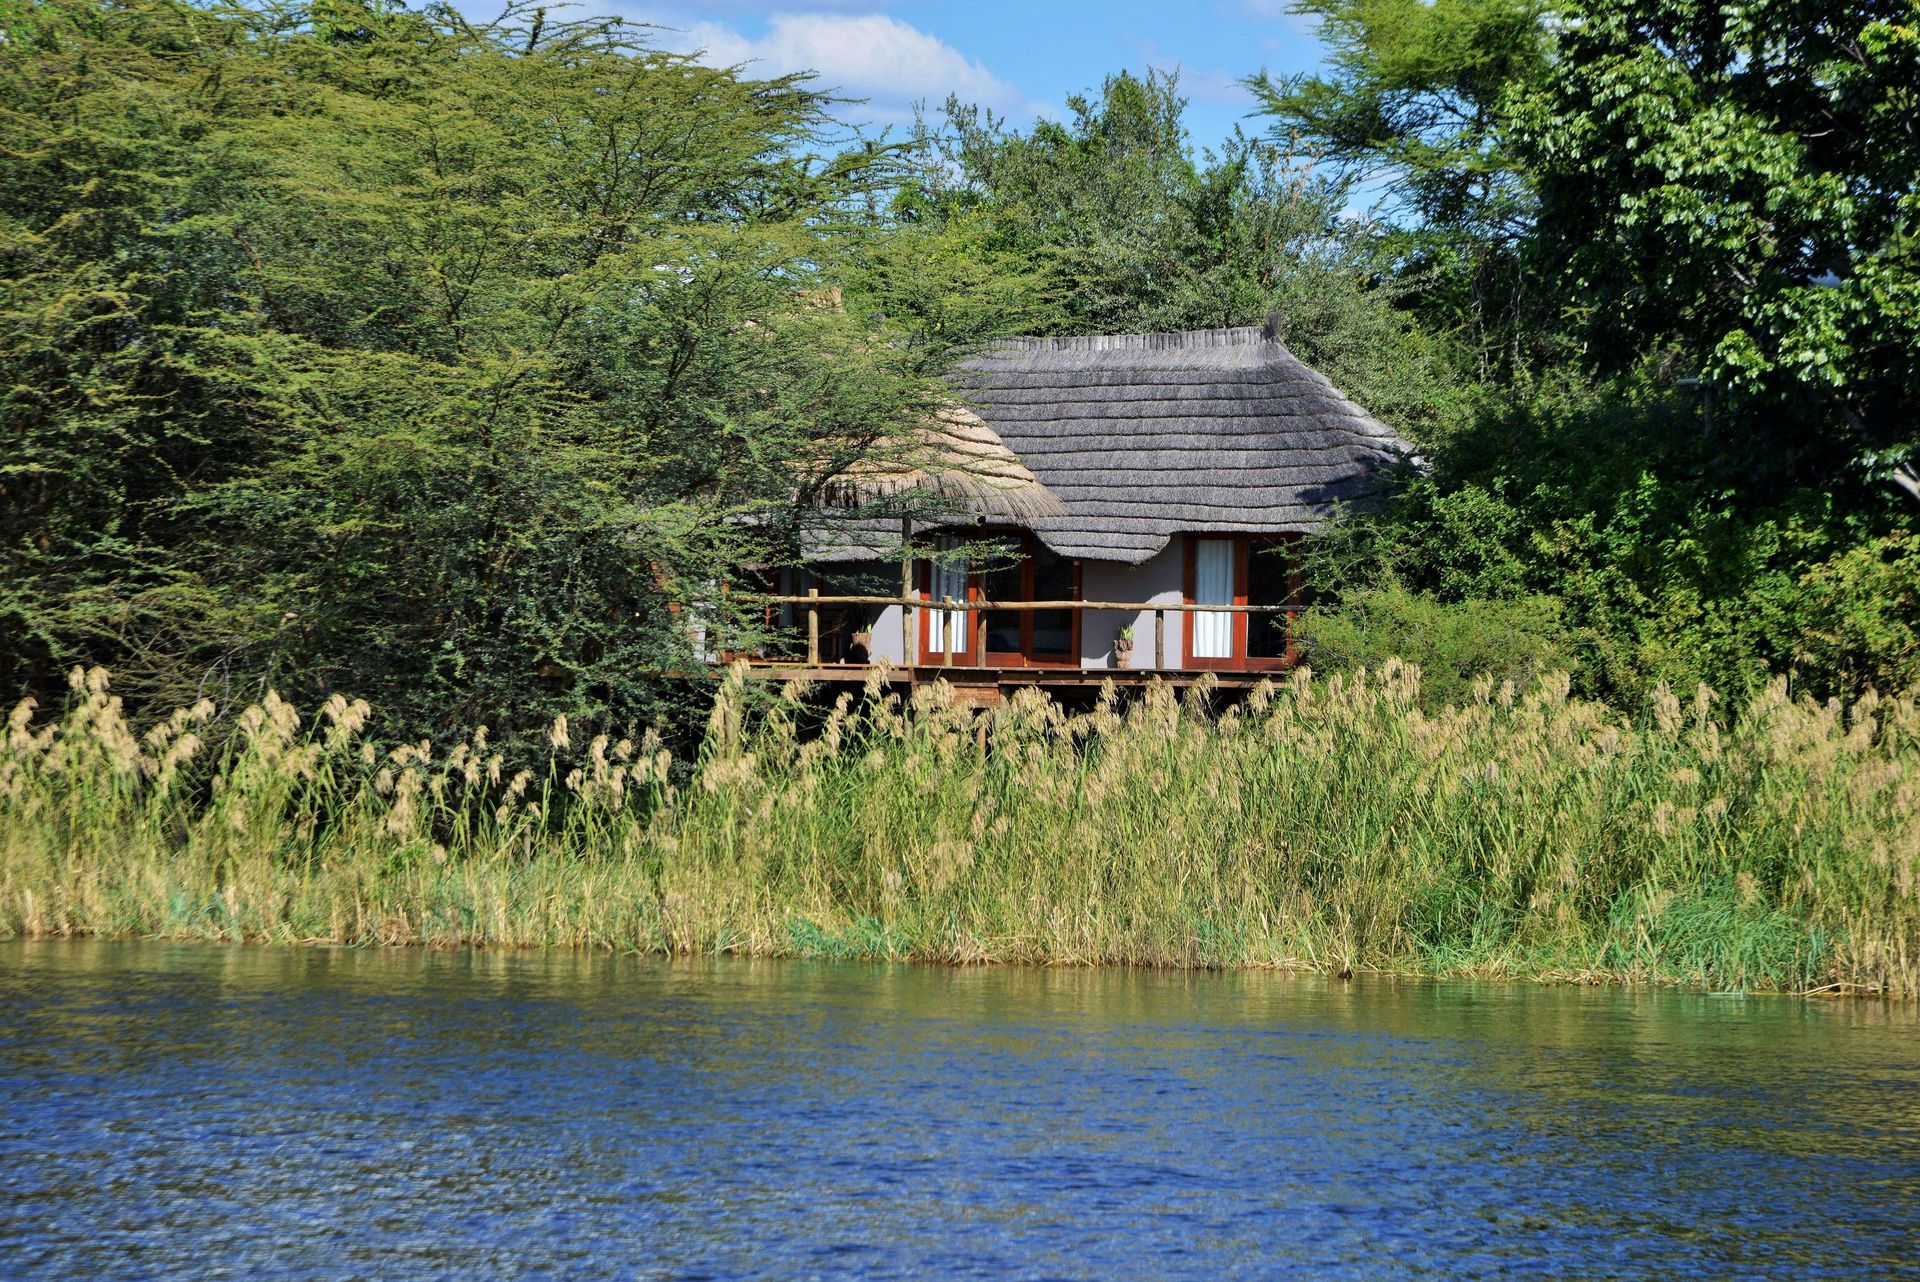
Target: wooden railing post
977, 621
813, 625
946, 633
1159, 638
906, 591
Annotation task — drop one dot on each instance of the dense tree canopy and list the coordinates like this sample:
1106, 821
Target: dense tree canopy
350, 345
1115, 224
1416, 98
358, 347
1734, 185
1697, 390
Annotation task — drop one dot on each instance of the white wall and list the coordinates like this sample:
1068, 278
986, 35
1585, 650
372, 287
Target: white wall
1160, 579
886, 633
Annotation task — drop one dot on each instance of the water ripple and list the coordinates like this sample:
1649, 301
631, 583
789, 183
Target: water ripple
205, 1112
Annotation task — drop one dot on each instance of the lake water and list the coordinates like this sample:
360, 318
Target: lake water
202, 1112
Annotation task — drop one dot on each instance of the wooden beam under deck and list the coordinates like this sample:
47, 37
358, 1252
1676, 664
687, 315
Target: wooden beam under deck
988, 686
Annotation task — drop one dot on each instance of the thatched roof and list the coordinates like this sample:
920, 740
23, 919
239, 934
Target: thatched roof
1141, 436
954, 465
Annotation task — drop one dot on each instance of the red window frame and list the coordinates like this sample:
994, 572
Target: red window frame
976, 619
1239, 660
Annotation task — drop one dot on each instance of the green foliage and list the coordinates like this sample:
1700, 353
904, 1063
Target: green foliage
1457, 645
947, 285
356, 341
1415, 95
1450, 542
1714, 929
1725, 187
1604, 196
1862, 612
1735, 184
1121, 228
1418, 90
350, 344
1614, 502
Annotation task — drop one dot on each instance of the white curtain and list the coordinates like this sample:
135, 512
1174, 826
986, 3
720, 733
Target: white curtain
1213, 585
948, 630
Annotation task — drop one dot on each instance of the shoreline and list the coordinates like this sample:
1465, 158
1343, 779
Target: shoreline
1546, 978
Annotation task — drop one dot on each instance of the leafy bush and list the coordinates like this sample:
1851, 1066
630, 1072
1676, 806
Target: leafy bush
1861, 615
1454, 643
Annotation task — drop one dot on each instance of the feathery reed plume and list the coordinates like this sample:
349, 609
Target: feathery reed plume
1321, 822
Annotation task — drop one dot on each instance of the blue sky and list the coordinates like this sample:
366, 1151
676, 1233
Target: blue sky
1021, 59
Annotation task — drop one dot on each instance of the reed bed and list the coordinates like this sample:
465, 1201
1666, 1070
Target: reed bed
1326, 823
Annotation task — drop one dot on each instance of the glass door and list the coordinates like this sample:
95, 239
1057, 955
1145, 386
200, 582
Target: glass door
1271, 580
1051, 632
1018, 569
1004, 580
1030, 638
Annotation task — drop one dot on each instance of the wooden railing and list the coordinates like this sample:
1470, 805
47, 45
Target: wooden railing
814, 599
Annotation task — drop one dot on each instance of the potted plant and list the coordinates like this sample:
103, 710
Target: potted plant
1123, 647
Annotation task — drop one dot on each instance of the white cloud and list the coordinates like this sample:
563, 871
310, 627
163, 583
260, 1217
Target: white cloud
873, 56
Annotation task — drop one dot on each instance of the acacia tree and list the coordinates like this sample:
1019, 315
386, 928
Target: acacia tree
355, 347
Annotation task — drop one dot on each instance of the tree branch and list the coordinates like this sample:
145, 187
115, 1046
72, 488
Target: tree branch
1904, 474
1907, 479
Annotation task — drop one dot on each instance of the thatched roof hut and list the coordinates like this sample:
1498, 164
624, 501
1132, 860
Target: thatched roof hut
1141, 436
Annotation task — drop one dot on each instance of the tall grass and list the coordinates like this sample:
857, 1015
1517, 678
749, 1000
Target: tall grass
1327, 823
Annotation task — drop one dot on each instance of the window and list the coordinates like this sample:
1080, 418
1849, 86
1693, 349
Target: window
1026, 571
1240, 569
947, 578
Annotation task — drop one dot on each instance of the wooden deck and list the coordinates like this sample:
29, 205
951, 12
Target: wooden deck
986, 687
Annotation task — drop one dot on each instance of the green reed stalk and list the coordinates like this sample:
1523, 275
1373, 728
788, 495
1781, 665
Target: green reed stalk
1325, 823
